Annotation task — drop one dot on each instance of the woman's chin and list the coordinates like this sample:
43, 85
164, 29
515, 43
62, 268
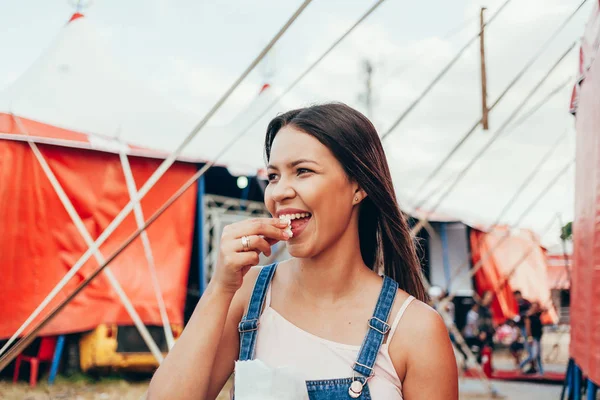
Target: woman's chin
298, 250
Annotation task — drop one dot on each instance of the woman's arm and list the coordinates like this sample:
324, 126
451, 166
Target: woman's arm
421, 348
229, 346
187, 371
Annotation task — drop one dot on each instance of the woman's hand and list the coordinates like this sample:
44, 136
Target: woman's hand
240, 248
192, 368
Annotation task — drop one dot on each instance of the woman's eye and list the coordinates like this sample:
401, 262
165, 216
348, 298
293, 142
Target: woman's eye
301, 171
272, 177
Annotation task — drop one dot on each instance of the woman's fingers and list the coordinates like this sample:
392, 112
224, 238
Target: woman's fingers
245, 260
255, 242
240, 248
271, 241
271, 228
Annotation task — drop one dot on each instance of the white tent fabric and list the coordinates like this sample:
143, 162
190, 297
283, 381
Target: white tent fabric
77, 85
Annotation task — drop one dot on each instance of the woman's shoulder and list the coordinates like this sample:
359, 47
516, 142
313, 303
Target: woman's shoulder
420, 334
421, 352
417, 316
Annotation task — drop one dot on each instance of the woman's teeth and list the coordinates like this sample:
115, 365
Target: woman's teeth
294, 216
288, 219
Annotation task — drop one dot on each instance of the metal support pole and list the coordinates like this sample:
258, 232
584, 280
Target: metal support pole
592, 390
566, 389
445, 255
60, 344
202, 283
245, 195
576, 382
484, 107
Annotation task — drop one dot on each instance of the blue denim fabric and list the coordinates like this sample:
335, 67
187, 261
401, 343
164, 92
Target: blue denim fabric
535, 354
327, 389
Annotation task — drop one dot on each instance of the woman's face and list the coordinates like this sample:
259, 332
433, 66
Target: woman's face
308, 183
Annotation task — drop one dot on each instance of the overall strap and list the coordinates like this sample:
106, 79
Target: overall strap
249, 325
378, 328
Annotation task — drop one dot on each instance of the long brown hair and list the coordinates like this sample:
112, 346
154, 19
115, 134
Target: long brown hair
383, 231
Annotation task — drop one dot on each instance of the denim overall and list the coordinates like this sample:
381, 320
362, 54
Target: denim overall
354, 387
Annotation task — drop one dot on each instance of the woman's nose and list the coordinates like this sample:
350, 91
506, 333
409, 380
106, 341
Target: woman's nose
282, 191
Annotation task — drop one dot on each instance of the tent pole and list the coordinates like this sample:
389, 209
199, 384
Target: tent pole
576, 382
445, 257
149, 184
592, 389
200, 221
245, 195
139, 218
60, 343
566, 387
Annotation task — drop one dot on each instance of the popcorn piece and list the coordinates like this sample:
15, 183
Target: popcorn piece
288, 220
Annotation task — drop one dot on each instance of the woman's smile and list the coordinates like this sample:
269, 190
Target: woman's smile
297, 218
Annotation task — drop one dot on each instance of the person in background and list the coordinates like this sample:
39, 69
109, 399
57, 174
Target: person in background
485, 321
471, 330
517, 342
523, 308
534, 331
523, 305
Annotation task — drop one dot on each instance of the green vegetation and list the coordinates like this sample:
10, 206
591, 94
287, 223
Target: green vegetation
566, 232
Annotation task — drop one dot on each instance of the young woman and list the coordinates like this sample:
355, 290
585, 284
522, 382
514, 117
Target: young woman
345, 329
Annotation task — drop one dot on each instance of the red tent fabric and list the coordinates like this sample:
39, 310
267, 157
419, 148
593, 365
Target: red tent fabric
40, 242
514, 263
585, 283
490, 277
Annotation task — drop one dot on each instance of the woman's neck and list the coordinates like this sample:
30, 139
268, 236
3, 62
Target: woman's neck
333, 274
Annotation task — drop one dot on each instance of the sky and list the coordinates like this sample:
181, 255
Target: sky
190, 52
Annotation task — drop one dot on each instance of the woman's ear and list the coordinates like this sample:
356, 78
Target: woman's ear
359, 195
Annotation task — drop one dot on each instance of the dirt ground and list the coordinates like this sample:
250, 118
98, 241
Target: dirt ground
62, 389
555, 349
74, 390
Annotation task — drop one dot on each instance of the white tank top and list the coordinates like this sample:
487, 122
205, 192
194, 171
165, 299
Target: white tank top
280, 343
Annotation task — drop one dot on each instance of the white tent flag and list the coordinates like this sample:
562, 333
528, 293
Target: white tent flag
78, 85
